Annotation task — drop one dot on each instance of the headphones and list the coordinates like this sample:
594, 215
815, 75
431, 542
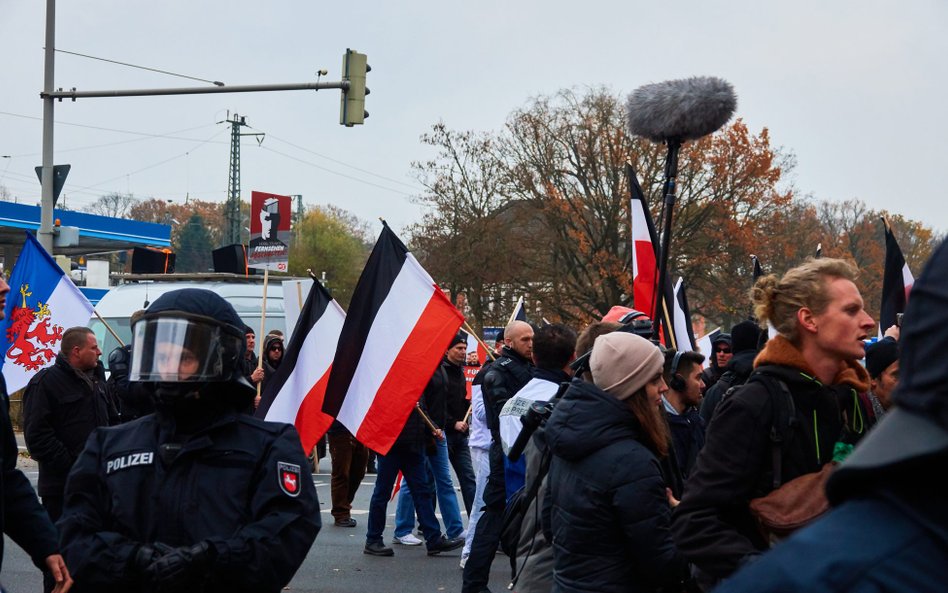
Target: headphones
677, 382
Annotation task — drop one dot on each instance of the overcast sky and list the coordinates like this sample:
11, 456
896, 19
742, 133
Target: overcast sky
855, 89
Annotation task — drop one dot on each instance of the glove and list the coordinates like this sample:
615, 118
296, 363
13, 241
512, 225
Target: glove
148, 553
180, 568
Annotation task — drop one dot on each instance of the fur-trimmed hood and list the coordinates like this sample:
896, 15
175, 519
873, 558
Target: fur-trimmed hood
779, 350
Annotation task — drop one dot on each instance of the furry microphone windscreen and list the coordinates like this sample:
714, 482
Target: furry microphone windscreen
681, 110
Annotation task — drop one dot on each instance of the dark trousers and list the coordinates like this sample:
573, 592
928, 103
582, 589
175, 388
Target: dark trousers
411, 462
489, 526
348, 468
460, 455
54, 508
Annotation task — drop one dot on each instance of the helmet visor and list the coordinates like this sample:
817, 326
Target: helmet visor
182, 349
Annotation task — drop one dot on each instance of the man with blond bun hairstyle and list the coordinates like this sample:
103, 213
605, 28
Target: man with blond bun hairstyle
822, 324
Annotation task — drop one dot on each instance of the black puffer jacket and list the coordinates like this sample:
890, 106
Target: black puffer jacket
608, 513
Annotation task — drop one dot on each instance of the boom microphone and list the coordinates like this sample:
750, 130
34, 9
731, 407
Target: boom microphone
681, 110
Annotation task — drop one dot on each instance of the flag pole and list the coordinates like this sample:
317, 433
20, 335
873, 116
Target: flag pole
513, 315
109, 327
263, 321
468, 329
434, 429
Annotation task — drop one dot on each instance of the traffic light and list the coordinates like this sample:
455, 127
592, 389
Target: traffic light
354, 68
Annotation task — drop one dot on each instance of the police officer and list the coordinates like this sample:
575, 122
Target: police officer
196, 497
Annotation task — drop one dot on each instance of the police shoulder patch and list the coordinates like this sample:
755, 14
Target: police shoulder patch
289, 475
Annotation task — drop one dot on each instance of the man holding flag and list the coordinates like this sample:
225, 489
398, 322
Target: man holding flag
397, 330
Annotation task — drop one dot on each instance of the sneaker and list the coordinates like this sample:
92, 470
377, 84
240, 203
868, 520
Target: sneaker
350, 522
464, 559
407, 540
377, 549
445, 544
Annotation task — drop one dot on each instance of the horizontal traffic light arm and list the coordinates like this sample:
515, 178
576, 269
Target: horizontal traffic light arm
248, 88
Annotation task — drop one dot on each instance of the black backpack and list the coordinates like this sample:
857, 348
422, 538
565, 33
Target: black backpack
784, 419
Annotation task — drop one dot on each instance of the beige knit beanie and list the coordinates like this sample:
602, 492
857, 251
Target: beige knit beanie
622, 363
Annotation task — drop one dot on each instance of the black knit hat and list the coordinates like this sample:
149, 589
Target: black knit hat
744, 336
459, 338
880, 355
918, 424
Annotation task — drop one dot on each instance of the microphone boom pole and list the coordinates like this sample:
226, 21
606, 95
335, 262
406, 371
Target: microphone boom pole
674, 112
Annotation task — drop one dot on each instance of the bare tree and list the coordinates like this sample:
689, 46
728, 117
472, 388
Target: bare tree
114, 204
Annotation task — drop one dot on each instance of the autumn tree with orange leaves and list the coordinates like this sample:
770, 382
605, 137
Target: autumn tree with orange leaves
558, 176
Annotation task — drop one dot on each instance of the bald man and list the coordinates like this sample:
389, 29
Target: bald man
507, 375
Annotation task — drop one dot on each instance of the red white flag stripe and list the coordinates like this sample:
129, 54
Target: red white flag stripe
643, 260
306, 385
401, 351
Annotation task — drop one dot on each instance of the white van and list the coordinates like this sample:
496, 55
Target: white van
137, 291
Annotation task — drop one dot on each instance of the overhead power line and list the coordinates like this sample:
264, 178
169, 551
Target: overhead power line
72, 53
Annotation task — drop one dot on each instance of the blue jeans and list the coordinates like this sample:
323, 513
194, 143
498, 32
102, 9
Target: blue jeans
447, 498
412, 465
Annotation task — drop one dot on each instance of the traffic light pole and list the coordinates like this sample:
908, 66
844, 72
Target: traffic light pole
247, 88
45, 234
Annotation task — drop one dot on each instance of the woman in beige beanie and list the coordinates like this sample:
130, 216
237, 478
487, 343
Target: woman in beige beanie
609, 516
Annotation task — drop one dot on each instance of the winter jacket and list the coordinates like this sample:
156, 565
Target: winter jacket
21, 515
687, 432
736, 373
61, 407
446, 394
506, 376
713, 526
240, 484
457, 403
608, 512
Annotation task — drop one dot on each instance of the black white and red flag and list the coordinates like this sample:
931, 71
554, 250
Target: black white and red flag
396, 332
644, 263
684, 334
644, 250
295, 393
897, 281
758, 271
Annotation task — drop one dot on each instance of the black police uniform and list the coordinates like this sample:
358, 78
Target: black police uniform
241, 484
196, 497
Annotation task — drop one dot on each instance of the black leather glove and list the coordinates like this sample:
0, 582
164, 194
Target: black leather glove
148, 553
180, 568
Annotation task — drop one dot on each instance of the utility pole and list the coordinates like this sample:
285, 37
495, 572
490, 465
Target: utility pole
299, 209
352, 113
232, 206
45, 234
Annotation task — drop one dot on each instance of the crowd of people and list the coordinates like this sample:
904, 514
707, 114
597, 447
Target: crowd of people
597, 462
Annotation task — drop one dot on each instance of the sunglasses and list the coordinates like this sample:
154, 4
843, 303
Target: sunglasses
723, 350
280, 348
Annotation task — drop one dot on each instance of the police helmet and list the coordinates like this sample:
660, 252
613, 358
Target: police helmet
189, 336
